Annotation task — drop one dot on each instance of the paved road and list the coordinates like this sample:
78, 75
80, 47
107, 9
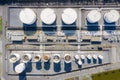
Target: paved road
0, 11
0, 42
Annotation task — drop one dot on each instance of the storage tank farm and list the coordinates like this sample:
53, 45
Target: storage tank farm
54, 42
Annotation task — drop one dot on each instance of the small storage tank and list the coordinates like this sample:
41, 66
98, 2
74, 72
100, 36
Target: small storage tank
20, 68
14, 58
46, 57
27, 16
95, 56
67, 58
89, 57
82, 56
48, 16
111, 16
37, 58
79, 62
100, 57
69, 16
77, 57
56, 58
26, 58
93, 16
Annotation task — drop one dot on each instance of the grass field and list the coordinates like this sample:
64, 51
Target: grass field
110, 75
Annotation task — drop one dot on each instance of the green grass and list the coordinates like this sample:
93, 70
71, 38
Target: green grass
110, 75
0, 24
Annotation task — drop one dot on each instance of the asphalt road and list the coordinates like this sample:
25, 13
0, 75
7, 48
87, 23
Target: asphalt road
0, 46
0, 11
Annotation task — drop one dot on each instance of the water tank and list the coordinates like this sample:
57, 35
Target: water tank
20, 68
69, 16
111, 16
56, 58
93, 16
67, 58
14, 58
27, 16
48, 16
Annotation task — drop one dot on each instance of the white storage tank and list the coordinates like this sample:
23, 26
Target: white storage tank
95, 56
69, 16
56, 58
93, 16
100, 57
48, 16
27, 16
111, 16
82, 56
89, 57
77, 57
20, 68
67, 58
26, 58
14, 58
79, 62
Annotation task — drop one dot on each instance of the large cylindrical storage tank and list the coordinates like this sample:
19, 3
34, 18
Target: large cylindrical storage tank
48, 16
111, 16
56, 58
14, 58
69, 16
93, 16
20, 68
27, 16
